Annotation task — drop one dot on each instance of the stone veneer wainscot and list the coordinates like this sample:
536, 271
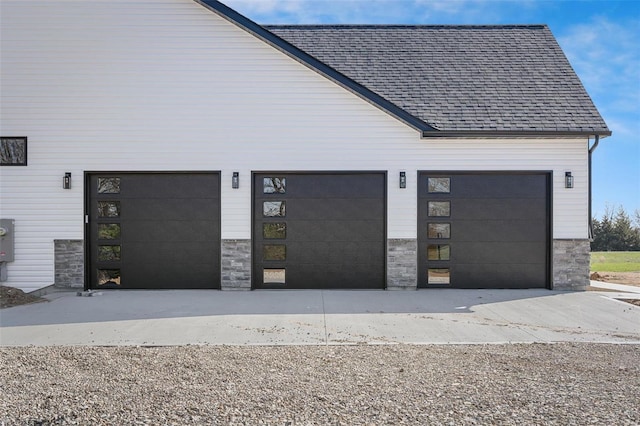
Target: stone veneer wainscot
69, 263
402, 266
236, 265
571, 264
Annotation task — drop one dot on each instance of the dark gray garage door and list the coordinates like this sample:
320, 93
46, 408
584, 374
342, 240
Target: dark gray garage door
483, 230
153, 230
319, 230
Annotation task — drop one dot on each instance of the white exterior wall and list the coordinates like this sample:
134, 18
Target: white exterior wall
161, 85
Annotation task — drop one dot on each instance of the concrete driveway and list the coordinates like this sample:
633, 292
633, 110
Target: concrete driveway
316, 317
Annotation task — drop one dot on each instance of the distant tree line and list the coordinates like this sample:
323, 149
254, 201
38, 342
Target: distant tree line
616, 231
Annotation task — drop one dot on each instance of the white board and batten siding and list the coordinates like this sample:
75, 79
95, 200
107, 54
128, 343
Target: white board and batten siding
167, 85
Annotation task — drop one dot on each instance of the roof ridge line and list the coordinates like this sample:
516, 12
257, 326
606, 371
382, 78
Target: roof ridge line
404, 26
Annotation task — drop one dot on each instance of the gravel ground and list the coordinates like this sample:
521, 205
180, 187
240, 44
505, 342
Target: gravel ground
522, 384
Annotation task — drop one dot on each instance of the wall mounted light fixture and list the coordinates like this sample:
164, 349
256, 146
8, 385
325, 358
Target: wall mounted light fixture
66, 181
235, 180
568, 180
403, 179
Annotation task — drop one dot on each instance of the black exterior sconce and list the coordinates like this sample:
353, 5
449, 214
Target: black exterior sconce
403, 179
568, 180
235, 180
66, 181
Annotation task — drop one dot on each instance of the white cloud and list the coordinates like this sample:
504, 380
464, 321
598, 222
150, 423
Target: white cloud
362, 11
606, 57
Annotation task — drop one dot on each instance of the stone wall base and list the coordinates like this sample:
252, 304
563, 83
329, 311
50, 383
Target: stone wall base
69, 263
571, 264
402, 266
236, 265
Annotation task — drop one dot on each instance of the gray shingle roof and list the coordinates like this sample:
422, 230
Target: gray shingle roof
459, 78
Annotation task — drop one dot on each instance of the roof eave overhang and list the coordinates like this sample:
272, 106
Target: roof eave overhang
320, 67
512, 133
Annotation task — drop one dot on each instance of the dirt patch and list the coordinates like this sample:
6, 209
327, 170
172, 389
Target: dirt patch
10, 296
632, 301
627, 278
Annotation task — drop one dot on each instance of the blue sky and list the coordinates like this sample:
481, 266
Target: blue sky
601, 39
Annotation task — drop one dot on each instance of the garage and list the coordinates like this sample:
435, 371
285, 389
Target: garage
484, 230
319, 230
153, 230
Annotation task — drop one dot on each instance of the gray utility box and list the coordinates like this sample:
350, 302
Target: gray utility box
7, 240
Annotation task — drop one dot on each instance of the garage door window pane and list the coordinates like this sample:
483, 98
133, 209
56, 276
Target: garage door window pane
439, 230
439, 185
274, 252
109, 185
108, 276
439, 208
108, 231
274, 209
274, 185
274, 230
108, 253
438, 252
273, 276
108, 208
439, 276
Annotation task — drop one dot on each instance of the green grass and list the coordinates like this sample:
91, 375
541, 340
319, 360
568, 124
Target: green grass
615, 261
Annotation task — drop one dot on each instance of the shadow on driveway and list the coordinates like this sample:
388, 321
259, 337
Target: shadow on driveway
122, 305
